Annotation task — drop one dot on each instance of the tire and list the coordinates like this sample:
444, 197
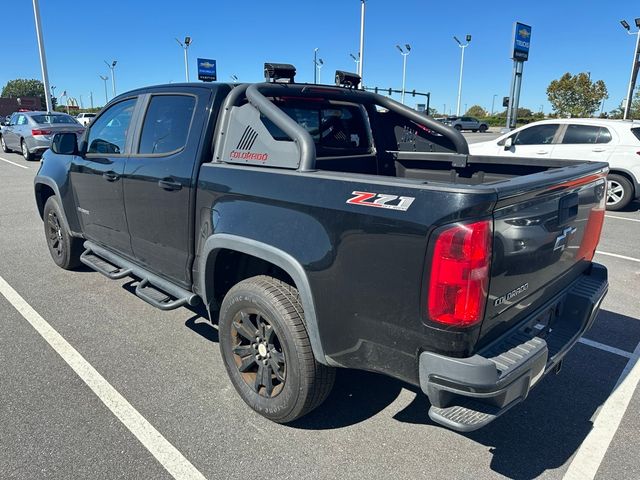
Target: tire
28, 156
458, 127
619, 192
483, 128
5, 149
263, 340
65, 250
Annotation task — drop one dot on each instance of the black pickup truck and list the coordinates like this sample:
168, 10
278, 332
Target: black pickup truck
325, 226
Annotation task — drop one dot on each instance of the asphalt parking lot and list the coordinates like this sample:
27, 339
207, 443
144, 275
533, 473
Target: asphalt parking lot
165, 366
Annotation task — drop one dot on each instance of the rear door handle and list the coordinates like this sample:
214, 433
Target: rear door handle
542, 152
169, 184
110, 176
599, 150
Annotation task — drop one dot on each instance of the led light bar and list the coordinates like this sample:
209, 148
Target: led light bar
347, 79
279, 72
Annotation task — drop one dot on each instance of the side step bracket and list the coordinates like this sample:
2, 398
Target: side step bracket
154, 290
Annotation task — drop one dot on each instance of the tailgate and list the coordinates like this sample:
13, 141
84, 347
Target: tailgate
544, 237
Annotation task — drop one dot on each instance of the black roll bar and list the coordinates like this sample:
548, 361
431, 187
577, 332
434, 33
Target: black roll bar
299, 135
256, 95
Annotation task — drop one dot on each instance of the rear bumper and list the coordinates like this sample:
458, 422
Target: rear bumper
38, 145
468, 393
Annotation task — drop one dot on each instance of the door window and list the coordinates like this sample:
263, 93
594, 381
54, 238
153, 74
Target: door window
22, 120
586, 134
166, 124
536, 135
108, 133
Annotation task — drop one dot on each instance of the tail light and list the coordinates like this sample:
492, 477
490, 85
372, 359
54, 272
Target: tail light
37, 131
593, 229
460, 274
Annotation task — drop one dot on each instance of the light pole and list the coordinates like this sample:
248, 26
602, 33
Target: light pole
634, 66
43, 56
404, 66
104, 78
319, 64
462, 47
185, 47
357, 60
493, 103
315, 65
91, 98
112, 67
361, 52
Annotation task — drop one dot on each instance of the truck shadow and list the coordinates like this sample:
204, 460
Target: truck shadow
538, 435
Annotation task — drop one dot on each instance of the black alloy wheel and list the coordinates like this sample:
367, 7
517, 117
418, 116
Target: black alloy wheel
258, 354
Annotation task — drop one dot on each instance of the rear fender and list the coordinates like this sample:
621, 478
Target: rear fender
270, 254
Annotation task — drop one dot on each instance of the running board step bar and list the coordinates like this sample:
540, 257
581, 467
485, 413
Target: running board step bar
151, 288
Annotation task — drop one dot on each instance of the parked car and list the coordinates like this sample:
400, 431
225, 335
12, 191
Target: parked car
31, 132
614, 141
466, 123
84, 119
329, 227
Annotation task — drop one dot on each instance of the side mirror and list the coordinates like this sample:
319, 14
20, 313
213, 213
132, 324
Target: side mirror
508, 143
65, 144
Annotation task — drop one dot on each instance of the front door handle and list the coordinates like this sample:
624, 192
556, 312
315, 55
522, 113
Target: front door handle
110, 176
599, 150
169, 184
542, 152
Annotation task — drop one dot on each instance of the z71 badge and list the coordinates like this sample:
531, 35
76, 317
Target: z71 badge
381, 200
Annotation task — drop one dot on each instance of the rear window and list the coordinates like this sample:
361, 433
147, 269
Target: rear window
336, 130
49, 119
636, 132
586, 134
166, 124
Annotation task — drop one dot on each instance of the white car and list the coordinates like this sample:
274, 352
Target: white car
85, 118
613, 141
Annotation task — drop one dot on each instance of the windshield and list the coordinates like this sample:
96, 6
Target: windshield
53, 119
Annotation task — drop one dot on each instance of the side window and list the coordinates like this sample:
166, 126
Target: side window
536, 135
166, 124
13, 119
108, 133
581, 134
604, 136
22, 120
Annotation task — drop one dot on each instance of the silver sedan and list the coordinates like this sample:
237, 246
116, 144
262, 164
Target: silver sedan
31, 132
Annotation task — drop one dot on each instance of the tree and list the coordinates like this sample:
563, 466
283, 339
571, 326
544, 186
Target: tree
476, 111
22, 87
576, 95
524, 112
618, 112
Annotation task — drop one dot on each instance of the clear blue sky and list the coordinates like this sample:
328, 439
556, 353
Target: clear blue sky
568, 36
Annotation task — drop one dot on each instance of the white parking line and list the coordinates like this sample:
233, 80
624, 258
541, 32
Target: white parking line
14, 163
623, 218
606, 348
587, 460
623, 257
168, 455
